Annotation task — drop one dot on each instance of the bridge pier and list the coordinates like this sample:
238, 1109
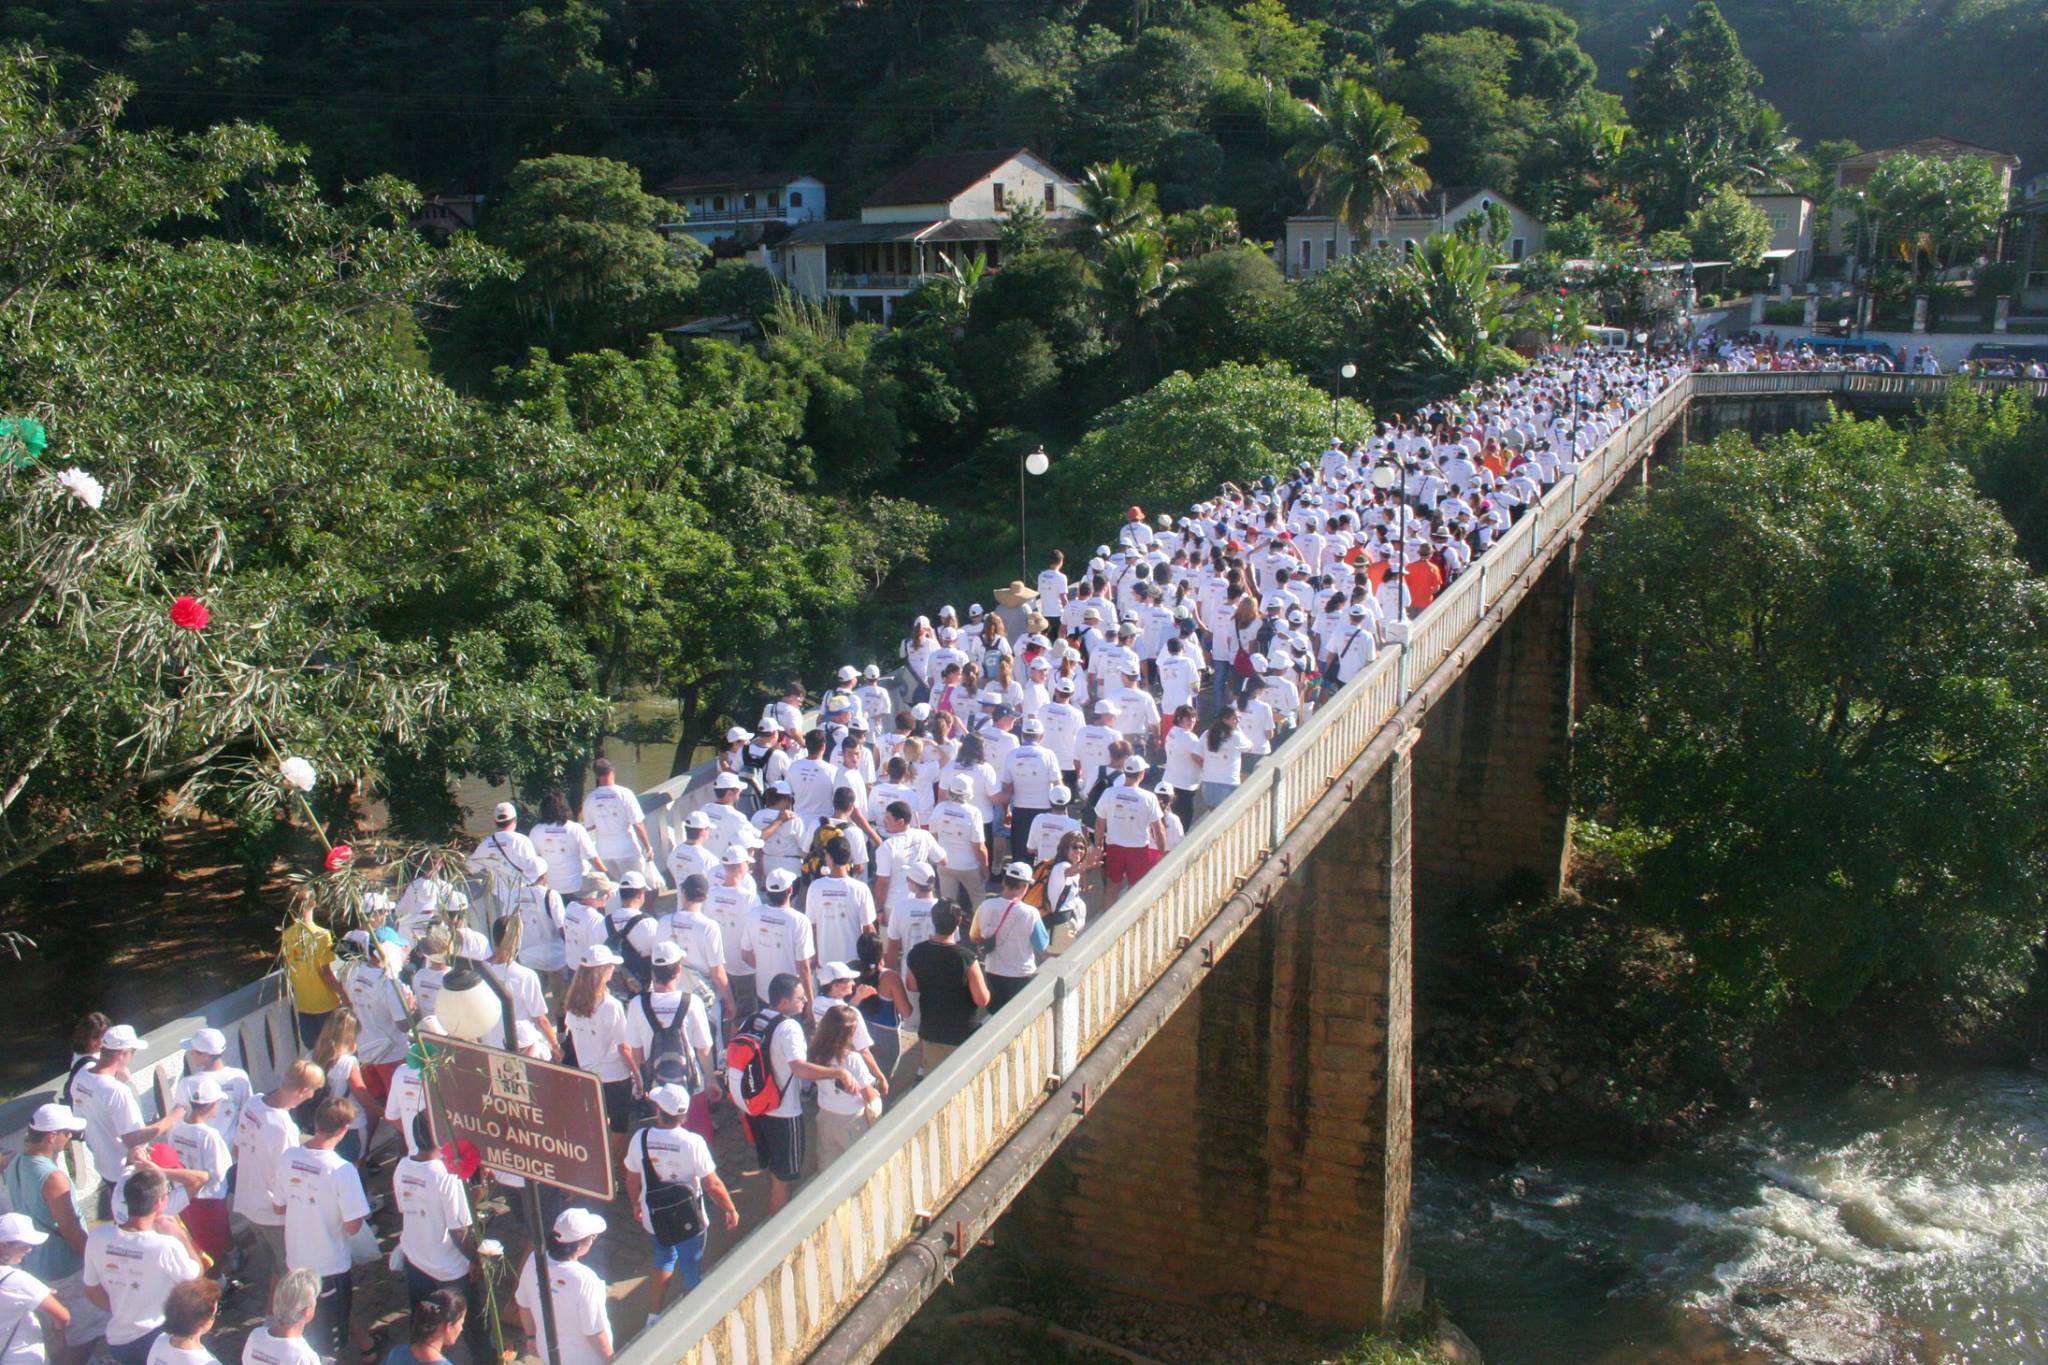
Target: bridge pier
1490, 810
1260, 1144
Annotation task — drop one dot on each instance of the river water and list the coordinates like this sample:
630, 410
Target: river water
1871, 1225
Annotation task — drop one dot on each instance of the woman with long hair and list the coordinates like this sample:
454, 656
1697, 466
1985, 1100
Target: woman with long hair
1223, 751
596, 1024
335, 1054
843, 1114
1183, 762
437, 1321
970, 759
1066, 913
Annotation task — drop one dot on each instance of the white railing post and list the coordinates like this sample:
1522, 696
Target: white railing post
1482, 585
1535, 531
1277, 805
1401, 672
1066, 1028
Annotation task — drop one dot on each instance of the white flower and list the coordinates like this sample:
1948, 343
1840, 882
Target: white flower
297, 772
83, 486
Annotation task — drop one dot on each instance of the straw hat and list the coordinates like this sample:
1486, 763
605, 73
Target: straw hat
1016, 595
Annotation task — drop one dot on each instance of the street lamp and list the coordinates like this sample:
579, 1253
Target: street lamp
1862, 253
1034, 464
1345, 371
1385, 475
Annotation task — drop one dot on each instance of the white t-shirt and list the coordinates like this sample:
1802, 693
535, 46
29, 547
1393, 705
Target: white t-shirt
161, 1352
261, 1140
779, 937
1063, 722
910, 923
597, 1036
137, 1270
839, 908
1029, 772
380, 1034
786, 1044
957, 827
20, 1294
898, 851
732, 909
582, 928
700, 938
1178, 679
1222, 763
1184, 750
813, 780
578, 1298
1046, 832
1015, 934
611, 812
696, 1026
836, 1099
261, 1348
691, 860
231, 1079
109, 1108
200, 1147
569, 852
677, 1154
507, 860
522, 987
322, 1192
1129, 814
408, 1098
543, 919
431, 1200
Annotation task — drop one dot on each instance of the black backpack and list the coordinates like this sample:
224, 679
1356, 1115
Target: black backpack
638, 971
669, 1060
676, 1210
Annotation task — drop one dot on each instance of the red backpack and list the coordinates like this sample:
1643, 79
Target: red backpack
750, 1074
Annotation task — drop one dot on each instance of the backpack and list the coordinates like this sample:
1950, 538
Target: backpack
676, 1210
1034, 895
638, 971
814, 861
669, 1059
750, 1075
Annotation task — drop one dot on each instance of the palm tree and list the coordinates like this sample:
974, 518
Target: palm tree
1359, 159
1135, 278
1114, 202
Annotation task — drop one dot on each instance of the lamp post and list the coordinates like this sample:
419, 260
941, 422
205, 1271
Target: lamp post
1345, 371
1862, 257
1385, 475
1034, 464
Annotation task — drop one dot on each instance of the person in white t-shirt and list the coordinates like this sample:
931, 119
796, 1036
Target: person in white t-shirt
206, 1055
281, 1338
576, 1293
702, 940
730, 826
1129, 826
1052, 590
597, 1030
521, 984
957, 827
676, 1157
844, 1111
668, 1035
1183, 763
200, 1147
777, 938
1092, 745
903, 844
910, 920
262, 1138
1180, 678
1223, 751
323, 1203
1048, 829
617, 823
565, 845
130, 1268
507, 860
840, 908
1028, 776
779, 1133
436, 1237
190, 1311
28, 1308
1015, 934
103, 1094
693, 853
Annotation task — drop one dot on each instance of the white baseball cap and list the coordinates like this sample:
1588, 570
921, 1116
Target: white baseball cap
768, 725
1061, 794
633, 881
1357, 611
210, 1041
670, 1099
666, 953
1134, 764
1105, 708
726, 782
504, 811
16, 1227
696, 819
55, 1118
1032, 725
780, 879
738, 733
960, 784
122, 1038
921, 873
847, 673
1064, 686
831, 972
871, 672
735, 854
575, 1225
1016, 872
597, 955
205, 1090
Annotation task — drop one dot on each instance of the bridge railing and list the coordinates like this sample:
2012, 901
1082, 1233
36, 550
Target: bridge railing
776, 1295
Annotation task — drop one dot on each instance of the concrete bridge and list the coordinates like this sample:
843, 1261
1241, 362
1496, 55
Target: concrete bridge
1210, 1093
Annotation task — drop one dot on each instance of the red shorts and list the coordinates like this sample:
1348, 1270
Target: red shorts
1123, 866
377, 1080
207, 1221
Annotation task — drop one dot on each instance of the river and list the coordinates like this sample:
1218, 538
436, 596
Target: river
1872, 1224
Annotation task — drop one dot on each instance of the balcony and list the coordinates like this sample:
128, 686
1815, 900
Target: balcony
758, 214
853, 283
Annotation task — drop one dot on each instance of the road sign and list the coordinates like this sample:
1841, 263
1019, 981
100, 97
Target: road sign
533, 1119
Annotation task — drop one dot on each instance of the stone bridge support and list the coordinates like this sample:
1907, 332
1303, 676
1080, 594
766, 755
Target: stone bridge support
1260, 1144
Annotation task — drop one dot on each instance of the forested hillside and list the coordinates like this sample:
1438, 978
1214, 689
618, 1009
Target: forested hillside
1875, 72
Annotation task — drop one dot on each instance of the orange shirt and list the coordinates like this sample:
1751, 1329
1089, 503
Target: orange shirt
1425, 580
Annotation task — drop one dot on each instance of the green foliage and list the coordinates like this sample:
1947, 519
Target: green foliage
1669, 244
1172, 444
1931, 213
1277, 49
1577, 238
1197, 232
1360, 156
1115, 202
1225, 307
734, 289
1828, 714
1052, 291
1727, 227
1024, 228
1135, 278
1696, 113
851, 408
1457, 87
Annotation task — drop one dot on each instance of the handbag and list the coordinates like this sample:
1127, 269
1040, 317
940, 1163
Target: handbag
675, 1210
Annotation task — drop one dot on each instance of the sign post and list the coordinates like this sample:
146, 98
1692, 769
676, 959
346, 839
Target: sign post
540, 1121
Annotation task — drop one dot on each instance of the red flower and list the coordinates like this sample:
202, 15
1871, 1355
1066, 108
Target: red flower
339, 856
189, 613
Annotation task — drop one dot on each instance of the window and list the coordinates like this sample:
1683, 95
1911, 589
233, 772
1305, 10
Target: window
998, 187
1052, 197
1380, 244
1408, 246
1515, 249
718, 203
747, 201
775, 199
1329, 250
1486, 206
796, 199
1307, 253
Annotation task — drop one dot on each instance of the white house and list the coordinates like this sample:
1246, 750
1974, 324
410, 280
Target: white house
735, 212
1315, 240
931, 212
1791, 252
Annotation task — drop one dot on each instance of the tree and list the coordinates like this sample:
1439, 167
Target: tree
1456, 85
1728, 227
1135, 277
1172, 444
1826, 728
1114, 202
1225, 307
1197, 232
593, 264
735, 289
1463, 306
1931, 213
1574, 163
1277, 50
1024, 228
1360, 156
1693, 101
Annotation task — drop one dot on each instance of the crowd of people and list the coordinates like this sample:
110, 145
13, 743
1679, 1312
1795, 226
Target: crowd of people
871, 877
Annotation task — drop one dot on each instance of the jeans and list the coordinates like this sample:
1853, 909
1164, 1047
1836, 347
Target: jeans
134, 1352
1215, 794
685, 1259
309, 1028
